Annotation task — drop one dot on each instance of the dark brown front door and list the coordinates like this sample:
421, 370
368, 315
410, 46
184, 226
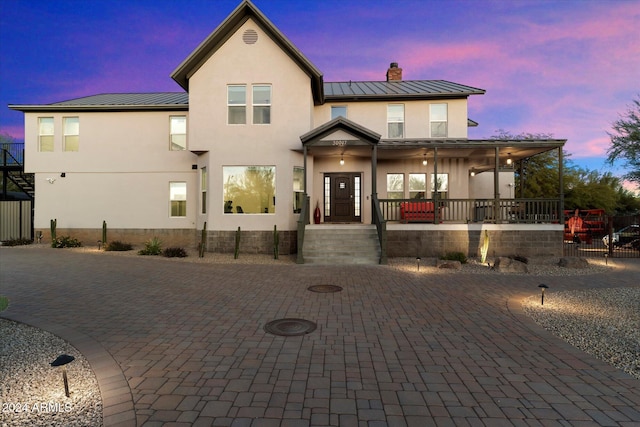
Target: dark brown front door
344, 197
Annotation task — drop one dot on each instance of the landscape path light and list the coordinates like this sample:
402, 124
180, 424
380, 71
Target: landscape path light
418, 262
62, 360
542, 288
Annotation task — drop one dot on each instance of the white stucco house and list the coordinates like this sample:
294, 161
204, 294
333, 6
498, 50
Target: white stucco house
258, 139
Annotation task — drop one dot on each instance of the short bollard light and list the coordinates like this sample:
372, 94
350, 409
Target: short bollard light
606, 259
542, 288
99, 244
62, 360
418, 262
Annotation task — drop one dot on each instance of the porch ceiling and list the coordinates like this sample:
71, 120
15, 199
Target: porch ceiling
480, 153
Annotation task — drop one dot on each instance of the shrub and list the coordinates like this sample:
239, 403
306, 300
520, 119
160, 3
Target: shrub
4, 303
455, 256
66, 242
16, 242
174, 253
151, 247
118, 246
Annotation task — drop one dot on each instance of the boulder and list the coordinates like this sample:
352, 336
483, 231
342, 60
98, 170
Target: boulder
509, 265
573, 262
444, 263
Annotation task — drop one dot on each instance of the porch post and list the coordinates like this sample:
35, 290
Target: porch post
561, 183
304, 165
496, 186
435, 186
374, 170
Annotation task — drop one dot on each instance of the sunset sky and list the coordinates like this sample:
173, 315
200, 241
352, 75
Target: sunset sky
569, 68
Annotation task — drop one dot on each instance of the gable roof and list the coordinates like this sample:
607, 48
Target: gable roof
397, 89
245, 11
157, 101
315, 136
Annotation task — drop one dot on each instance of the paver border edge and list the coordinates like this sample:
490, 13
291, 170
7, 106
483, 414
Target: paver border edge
114, 388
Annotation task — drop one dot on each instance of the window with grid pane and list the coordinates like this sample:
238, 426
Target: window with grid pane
178, 199
71, 133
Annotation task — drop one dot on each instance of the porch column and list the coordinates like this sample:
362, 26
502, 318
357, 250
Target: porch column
561, 183
496, 186
374, 170
304, 165
435, 187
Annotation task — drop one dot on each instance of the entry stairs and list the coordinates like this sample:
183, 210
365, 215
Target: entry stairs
341, 244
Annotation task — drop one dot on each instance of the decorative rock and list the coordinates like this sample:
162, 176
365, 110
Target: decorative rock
453, 265
508, 265
573, 262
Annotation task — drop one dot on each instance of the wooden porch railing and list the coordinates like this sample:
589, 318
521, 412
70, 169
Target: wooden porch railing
472, 210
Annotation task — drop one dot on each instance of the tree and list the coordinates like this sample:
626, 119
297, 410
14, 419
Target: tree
625, 142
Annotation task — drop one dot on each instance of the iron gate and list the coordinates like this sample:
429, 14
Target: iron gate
619, 238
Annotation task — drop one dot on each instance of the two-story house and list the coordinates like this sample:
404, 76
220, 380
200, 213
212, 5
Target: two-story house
258, 139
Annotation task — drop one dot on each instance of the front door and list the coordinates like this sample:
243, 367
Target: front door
342, 197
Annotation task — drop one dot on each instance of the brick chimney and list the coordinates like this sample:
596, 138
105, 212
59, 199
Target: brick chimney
394, 73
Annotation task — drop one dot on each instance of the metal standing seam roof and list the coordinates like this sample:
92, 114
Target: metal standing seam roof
397, 89
117, 101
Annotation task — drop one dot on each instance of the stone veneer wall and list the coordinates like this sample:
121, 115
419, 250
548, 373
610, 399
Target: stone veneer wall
252, 242
533, 241
184, 238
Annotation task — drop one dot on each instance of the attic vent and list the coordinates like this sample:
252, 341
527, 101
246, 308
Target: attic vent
250, 36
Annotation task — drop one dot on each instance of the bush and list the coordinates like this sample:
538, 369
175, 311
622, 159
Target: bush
174, 253
16, 242
66, 242
455, 256
118, 246
151, 247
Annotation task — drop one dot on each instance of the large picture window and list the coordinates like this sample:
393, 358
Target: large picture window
249, 189
237, 104
178, 199
261, 104
178, 136
438, 114
395, 120
45, 134
395, 186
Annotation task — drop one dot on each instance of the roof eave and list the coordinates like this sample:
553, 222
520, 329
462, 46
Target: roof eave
399, 97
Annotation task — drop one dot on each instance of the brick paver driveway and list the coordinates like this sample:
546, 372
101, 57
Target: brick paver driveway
176, 343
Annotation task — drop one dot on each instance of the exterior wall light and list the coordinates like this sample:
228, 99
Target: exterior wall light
424, 160
542, 288
509, 161
472, 173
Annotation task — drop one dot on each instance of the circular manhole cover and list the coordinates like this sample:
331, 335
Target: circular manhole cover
290, 327
324, 288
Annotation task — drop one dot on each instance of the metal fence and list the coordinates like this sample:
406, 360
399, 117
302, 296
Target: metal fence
619, 239
16, 219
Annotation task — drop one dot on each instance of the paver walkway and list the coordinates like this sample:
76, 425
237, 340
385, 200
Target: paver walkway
176, 344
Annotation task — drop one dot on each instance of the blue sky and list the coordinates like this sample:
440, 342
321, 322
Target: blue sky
565, 67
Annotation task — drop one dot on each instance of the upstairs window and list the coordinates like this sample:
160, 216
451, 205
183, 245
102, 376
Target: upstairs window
395, 120
178, 133
71, 133
338, 111
45, 134
237, 104
261, 104
395, 186
438, 115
